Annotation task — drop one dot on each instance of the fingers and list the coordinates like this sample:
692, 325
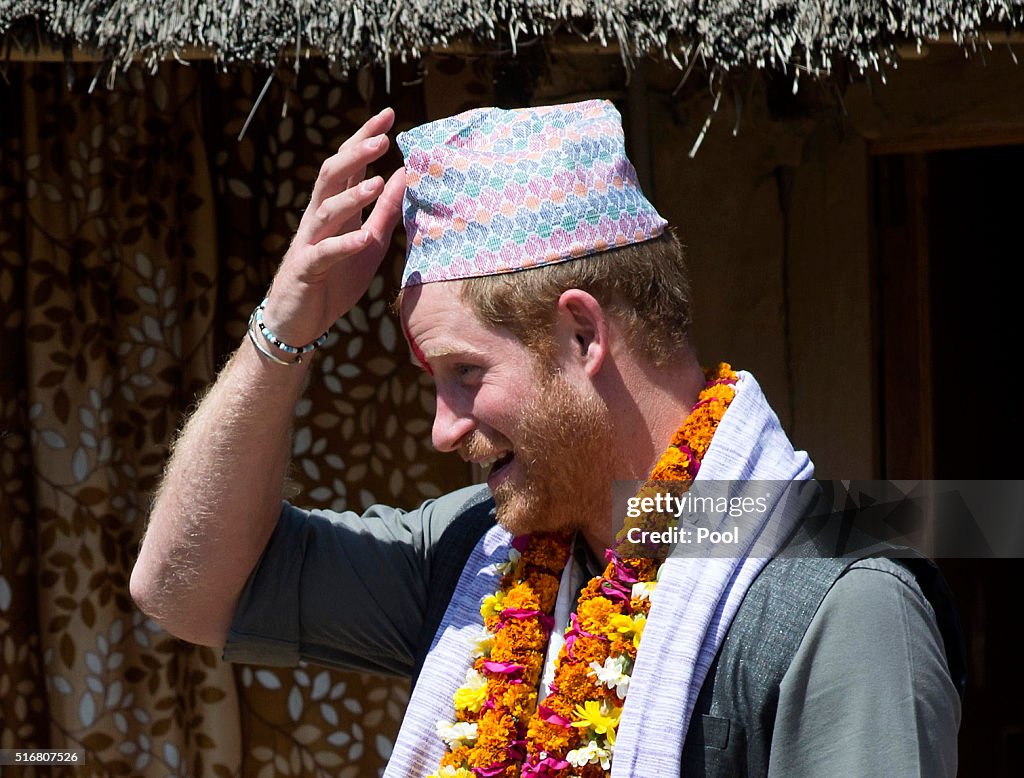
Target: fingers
344, 209
375, 125
368, 144
328, 252
382, 220
375, 233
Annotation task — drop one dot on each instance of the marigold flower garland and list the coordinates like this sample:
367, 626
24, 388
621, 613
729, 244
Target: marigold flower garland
499, 730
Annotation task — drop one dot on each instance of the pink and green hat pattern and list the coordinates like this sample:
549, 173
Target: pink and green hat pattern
495, 191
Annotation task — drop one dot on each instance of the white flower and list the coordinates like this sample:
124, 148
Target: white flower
482, 644
643, 591
612, 674
591, 753
474, 680
458, 734
505, 568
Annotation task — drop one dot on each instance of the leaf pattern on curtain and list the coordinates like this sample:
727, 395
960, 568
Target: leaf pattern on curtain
136, 234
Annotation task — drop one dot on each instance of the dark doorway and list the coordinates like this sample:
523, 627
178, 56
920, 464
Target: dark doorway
949, 240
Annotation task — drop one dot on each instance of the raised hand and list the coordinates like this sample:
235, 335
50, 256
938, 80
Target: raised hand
335, 254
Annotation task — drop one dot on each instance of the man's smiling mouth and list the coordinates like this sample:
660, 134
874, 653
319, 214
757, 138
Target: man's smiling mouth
494, 465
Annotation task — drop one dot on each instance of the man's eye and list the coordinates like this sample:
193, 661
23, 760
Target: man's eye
466, 371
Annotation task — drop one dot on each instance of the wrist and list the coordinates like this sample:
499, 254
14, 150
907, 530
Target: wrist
274, 348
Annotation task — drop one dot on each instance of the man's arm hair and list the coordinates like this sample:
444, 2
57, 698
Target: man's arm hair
219, 499
221, 493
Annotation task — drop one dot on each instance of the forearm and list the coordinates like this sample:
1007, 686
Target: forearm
221, 495
220, 498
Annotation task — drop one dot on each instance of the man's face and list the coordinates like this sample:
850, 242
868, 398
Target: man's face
543, 440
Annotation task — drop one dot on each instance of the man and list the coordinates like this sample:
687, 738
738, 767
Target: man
550, 306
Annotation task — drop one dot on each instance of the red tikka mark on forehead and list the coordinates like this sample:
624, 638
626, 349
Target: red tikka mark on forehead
416, 350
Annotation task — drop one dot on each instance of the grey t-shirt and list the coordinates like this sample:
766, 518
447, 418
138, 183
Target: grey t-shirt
868, 692
343, 589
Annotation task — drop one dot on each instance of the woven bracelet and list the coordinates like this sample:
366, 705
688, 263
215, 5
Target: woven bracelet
256, 318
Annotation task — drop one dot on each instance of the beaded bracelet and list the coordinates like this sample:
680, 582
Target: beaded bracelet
264, 350
299, 351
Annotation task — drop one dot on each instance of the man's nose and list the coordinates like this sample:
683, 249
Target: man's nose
450, 425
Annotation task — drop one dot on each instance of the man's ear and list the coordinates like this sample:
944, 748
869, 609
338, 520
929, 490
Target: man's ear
582, 331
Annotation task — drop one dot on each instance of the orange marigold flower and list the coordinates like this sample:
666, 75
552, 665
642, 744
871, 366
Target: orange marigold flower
700, 446
645, 569
503, 652
591, 590
517, 699
517, 639
595, 612
640, 605
720, 371
548, 550
520, 596
459, 757
545, 588
721, 392
551, 737
560, 705
495, 729
589, 650
558, 701
623, 644
674, 465
497, 684
574, 682
532, 668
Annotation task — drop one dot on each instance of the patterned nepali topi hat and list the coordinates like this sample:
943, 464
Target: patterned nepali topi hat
493, 191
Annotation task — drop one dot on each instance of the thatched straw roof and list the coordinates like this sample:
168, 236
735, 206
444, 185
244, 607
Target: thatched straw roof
806, 35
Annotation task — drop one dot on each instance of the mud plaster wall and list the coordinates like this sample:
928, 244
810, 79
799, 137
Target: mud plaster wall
777, 217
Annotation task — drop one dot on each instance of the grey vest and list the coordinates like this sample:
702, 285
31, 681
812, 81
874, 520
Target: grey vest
730, 733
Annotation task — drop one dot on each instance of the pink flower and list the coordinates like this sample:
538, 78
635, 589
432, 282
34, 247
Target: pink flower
535, 767
491, 770
576, 631
616, 591
551, 717
519, 613
504, 668
623, 572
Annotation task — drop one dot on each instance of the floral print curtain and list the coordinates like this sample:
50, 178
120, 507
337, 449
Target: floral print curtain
136, 234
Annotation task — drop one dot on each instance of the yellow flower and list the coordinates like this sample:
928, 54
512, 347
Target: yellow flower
492, 604
473, 694
627, 626
452, 772
600, 717
638, 629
